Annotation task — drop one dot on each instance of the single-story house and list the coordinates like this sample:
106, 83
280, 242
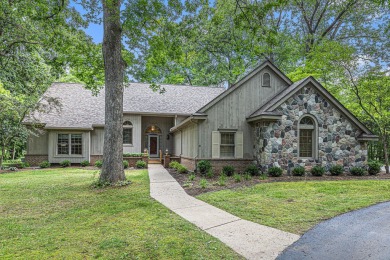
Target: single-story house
264, 118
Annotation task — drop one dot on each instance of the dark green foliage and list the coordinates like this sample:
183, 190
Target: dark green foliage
275, 171
65, 163
336, 170
44, 164
140, 164
228, 170
132, 154
357, 171
374, 167
317, 170
298, 171
252, 170
99, 163
125, 164
84, 163
204, 166
24, 165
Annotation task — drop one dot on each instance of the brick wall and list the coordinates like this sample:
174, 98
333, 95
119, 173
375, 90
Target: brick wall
35, 160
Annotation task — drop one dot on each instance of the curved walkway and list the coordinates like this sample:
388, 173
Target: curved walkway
251, 240
360, 234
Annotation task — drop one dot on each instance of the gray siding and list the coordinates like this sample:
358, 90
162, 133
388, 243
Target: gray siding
37, 145
165, 124
186, 141
232, 110
177, 143
97, 139
52, 147
136, 147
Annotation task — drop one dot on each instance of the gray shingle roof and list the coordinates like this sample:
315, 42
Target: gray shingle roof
80, 109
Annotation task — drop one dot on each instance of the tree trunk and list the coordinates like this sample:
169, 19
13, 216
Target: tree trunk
13, 153
112, 170
385, 154
2, 155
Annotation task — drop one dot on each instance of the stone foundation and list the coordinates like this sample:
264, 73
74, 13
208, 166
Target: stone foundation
35, 160
276, 142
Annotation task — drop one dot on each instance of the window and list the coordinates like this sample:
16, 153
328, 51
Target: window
127, 132
227, 144
306, 137
266, 80
68, 144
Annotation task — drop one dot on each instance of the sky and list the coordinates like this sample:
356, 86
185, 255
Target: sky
93, 30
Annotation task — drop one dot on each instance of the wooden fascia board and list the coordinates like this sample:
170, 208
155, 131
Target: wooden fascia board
329, 98
68, 128
187, 121
243, 80
264, 117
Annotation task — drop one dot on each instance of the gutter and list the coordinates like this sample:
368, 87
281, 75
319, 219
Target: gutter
191, 119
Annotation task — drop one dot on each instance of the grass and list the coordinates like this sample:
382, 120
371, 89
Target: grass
297, 206
54, 213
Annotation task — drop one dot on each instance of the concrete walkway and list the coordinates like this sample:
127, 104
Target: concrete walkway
251, 240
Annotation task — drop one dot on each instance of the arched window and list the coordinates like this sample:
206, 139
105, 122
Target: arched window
127, 132
266, 80
307, 137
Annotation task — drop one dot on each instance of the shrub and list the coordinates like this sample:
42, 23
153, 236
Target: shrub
132, 154
24, 165
228, 170
275, 171
65, 163
182, 169
357, 171
222, 180
203, 183
298, 171
125, 164
191, 177
140, 164
317, 170
252, 170
374, 167
247, 176
84, 163
44, 164
204, 166
336, 170
237, 177
174, 164
210, 174
99, 163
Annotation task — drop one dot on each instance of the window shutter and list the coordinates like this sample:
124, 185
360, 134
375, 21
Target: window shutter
239, 144
216, 142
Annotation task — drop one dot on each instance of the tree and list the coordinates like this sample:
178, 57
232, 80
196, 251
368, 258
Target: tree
112, 170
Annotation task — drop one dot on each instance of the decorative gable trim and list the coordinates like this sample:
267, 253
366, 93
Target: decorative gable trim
254, 72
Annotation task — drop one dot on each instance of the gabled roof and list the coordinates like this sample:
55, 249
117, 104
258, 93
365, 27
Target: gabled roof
270, 107
81, 110
264, 64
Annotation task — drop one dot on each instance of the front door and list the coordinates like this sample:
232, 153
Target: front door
153, 145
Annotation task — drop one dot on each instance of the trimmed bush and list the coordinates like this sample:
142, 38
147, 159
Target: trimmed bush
275, 171
182, 169
298, 171
357, 171
336, 170
174, 164
125, 164
65, 163
84, 163
252, 170
99, 163
374, 167
317, 170
24, 165
204, 166
132, 154
228, 170
44, 164
140, 164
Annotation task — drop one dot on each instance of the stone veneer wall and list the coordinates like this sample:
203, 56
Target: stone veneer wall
276, 143
35, 160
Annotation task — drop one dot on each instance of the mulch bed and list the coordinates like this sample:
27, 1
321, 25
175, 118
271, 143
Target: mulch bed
193, 188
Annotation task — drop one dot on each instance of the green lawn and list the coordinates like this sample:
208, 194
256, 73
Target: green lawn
56, 214
297, 206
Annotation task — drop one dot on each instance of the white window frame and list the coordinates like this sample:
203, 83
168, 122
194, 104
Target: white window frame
69, 154
132, 133
228, 145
